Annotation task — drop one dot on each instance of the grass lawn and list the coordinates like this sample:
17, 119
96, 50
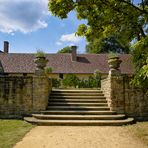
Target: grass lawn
12, 131
140, 130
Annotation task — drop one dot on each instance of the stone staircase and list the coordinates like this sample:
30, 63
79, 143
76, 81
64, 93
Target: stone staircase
78, 107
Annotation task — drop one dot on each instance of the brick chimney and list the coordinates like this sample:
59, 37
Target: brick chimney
74, 53
6, 47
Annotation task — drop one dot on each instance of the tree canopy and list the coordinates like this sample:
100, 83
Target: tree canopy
106, 45
66, 49
127, 20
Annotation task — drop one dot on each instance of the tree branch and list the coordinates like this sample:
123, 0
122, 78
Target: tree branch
137, 8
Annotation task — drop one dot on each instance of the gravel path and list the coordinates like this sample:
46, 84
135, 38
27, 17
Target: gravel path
79, 137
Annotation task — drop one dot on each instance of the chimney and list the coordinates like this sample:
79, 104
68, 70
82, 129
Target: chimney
6, 47
74, 53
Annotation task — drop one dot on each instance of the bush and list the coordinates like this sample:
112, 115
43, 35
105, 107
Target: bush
71, 80
40, 53
92, 82
48, 70
56, 83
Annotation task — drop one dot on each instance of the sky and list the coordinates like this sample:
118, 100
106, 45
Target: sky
28, 26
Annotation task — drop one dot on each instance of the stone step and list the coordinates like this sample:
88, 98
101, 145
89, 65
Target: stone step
76, 104
75, 94
77, 112
77, 91
77, 108
79, 122
79, 100
78, 117
77, 97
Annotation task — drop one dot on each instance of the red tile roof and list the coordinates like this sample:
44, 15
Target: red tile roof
62, 63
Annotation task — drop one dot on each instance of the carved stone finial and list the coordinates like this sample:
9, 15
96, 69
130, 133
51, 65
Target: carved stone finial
41, 63
114, 65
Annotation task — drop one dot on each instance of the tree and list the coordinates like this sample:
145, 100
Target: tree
106, 45
125, 19
66, 49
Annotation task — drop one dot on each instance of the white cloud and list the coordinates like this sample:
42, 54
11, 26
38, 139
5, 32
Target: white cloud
59, 43
23, 15
70, 38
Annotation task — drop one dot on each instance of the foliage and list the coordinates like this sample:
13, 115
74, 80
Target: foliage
71, 80
105, 17
66, 49
48, 70
125, 19
61, 7
12, 131
140, 52
56, 83
92, 82
106, 45
40, 53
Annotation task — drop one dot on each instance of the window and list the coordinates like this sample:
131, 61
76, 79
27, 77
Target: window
24, 74
61, 76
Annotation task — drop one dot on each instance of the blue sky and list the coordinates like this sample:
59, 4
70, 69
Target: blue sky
29, 26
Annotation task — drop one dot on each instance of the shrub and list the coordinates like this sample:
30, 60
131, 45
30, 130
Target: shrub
92, 82
71, 80
56, 83
40, 53
48, 70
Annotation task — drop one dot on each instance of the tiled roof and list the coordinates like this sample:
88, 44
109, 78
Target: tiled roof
62, 63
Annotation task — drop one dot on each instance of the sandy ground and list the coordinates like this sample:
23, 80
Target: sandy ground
79, 137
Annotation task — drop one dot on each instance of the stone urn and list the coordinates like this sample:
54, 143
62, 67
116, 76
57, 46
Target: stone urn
114, 62
114, 65
41, 63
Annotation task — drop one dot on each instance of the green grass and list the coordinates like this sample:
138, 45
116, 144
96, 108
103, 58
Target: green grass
12, 131
140, 130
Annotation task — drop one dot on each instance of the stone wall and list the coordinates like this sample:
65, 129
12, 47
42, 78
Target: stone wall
23, 95
124, 98
136, 101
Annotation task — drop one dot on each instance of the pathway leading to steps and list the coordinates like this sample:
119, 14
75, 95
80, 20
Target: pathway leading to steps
79, 137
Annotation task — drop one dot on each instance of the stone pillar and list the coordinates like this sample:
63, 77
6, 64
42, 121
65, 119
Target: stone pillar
41, 90
42, 85
113, 86
116, 101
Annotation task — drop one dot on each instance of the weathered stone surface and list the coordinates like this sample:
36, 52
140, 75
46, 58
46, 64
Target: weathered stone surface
125, 98
41, 90
21, 95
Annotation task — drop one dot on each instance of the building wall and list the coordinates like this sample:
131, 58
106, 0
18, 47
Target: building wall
80, 76
125, 98
56, 76
53, 75
20, 74
23, 95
